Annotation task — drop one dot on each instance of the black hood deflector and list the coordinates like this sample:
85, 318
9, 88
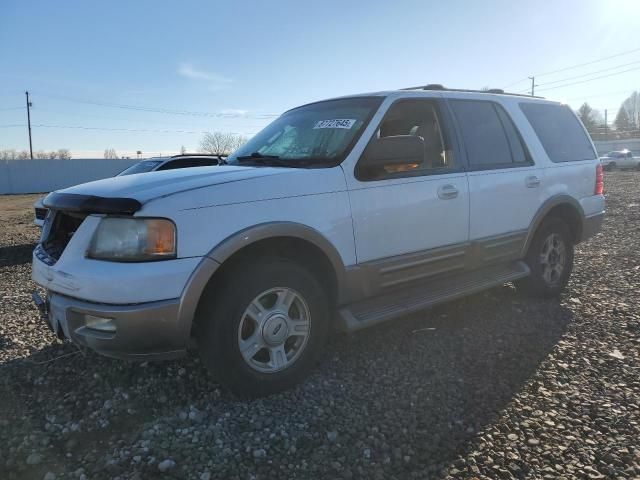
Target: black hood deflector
73, 202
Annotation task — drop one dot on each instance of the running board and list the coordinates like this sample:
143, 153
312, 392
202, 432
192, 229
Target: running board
385, 307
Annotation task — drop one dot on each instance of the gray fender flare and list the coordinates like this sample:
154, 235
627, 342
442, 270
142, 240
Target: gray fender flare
224, 250
545, 208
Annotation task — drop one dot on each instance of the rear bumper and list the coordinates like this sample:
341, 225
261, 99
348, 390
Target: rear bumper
591, 225
147, 331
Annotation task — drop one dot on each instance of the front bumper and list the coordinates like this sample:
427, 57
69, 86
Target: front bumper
146, 331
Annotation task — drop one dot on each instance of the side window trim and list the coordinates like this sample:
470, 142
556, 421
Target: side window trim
463, 146
527, 155
447, 133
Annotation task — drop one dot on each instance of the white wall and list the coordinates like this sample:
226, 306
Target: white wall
632, 144
35, 176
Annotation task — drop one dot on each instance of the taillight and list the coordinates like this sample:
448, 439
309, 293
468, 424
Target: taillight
599, 188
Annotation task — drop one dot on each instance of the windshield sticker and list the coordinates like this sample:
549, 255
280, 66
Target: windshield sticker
336, 123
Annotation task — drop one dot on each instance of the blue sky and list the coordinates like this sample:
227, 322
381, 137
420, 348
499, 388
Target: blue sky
241, 62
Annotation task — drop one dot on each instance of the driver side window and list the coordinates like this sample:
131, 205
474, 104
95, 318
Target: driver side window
417, 118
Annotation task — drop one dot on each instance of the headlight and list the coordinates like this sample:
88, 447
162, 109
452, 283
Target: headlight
133, 239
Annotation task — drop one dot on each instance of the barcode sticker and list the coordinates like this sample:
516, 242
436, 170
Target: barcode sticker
336, 123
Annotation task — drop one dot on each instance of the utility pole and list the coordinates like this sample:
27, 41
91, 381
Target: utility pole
606, 126
29, 123
533, 86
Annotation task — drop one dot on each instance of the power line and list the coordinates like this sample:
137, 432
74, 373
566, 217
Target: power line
107, 129
599, 95
162, 110
573, 66
589, 63
590, 73
591, 79
515, 83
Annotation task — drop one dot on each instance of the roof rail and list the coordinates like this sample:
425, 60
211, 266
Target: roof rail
437, 86
197, 155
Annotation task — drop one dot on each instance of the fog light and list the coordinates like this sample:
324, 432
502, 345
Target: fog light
100, 323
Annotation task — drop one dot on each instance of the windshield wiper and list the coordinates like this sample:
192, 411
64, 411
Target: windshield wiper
276, 161
255, 155
259, 158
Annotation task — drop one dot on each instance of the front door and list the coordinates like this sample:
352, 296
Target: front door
411, 221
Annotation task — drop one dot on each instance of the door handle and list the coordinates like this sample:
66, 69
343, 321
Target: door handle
532, 181
446, 192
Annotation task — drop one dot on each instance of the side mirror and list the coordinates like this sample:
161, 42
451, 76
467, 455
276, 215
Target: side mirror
395, 150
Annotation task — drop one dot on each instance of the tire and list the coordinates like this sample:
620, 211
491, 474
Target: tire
611, 166
249, 310
552, 246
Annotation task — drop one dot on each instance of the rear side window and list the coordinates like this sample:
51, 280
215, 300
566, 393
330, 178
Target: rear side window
559, 131
490, 138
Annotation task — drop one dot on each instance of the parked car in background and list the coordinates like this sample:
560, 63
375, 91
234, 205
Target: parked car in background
622, 159
347, 212
150, 165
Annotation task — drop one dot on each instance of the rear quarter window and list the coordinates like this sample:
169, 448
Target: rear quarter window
560, 132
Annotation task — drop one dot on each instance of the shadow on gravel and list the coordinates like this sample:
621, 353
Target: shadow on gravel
402, 399
16, 254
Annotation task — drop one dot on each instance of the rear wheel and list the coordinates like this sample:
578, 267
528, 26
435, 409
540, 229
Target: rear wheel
610, 166
550, 258
263, 331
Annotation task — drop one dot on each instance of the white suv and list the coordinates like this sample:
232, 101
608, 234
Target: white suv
345, 212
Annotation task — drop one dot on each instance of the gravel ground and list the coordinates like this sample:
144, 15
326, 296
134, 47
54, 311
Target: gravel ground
493, 386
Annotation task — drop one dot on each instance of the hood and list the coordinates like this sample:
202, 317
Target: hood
218, 185
148, 186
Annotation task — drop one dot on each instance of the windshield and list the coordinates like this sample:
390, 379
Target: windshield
140, 167
317, 134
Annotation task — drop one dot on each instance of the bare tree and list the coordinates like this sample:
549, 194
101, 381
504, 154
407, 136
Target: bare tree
64, 154
623, 122
632, 106
9, 154
585, 112
110, 153
23, 155
183, 150
42, 155
221, 143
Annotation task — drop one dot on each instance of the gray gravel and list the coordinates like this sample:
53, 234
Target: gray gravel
493, 386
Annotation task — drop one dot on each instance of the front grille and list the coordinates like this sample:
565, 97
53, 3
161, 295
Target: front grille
41, 213
58, 231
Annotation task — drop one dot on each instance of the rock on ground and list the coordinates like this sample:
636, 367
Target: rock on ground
496, 385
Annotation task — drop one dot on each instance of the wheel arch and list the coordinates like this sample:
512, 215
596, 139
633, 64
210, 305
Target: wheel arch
289, 239
564, 207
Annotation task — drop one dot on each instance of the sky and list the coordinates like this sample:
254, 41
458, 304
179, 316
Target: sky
154, 75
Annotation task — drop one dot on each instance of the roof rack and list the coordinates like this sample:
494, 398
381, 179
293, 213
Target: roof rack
197, 155
438, 86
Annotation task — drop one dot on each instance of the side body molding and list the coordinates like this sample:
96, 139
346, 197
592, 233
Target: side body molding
545, 208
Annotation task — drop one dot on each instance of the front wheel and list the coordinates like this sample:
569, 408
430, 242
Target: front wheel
263, 330
550, 258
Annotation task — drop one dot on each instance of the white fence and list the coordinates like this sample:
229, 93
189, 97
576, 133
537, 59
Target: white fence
603, 147
35, 176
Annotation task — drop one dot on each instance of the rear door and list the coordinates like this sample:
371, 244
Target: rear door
504, 182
